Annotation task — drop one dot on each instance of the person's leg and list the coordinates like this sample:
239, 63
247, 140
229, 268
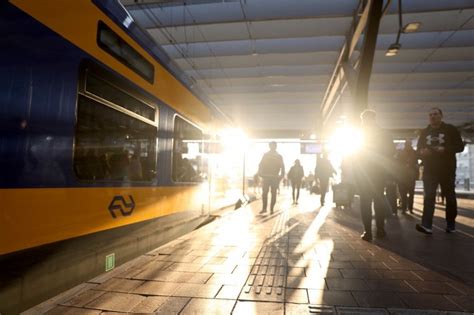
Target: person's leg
430, 182
402, 188
265, 188
366, 211
324, 188
298, 187
448, 188
411, 195
293, 191
379, 208
274, 186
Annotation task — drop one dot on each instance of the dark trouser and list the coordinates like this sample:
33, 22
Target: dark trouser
268, 183
391, 195
295, 190
323, 185
372, 192
447, 183
407, 191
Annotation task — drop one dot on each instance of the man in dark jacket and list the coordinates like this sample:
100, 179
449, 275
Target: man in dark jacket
437, 146
407, 175
323, 172
295, 175
371, 165
271, 169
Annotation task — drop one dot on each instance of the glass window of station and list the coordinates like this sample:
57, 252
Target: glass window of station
116, 134
189, 160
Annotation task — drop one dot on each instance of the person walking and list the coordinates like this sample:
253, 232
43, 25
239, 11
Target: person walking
323, 172
271, 169
371, 165
408, 164
295, 176
437, 146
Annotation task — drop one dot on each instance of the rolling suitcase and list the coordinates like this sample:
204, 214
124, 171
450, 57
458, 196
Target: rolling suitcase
342, 194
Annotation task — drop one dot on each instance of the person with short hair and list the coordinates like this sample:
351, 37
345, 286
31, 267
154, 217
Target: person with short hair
437, 146
295, 175
271, 169
323, 172
371, 165
408, 173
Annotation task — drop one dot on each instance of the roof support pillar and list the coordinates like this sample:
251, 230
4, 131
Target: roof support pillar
367, 57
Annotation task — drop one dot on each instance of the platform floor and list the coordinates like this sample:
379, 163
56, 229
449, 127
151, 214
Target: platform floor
303, 259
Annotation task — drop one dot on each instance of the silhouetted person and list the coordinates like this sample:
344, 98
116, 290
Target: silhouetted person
323, 172
370, 172
136, 170
437, 146
271, 169
295, 175
408, 173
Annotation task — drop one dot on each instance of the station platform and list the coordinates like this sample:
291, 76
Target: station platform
302, 259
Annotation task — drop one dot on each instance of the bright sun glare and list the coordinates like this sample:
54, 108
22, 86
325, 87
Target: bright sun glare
345, 141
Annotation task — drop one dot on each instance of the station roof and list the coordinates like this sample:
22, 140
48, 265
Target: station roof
267, 63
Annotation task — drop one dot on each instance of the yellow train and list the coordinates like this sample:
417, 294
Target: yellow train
104, 149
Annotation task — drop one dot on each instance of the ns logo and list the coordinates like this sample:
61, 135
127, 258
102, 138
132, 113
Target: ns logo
119, 203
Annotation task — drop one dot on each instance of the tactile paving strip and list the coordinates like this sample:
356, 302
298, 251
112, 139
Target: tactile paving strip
267, 278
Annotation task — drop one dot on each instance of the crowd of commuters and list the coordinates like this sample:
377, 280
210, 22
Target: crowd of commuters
379, 174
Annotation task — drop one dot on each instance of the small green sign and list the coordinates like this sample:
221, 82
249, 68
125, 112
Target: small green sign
109, 262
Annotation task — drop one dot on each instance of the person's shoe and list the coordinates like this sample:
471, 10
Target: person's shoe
271, 211
381, 233
423, 229
450, 228
366, 236
411, 210
263, 211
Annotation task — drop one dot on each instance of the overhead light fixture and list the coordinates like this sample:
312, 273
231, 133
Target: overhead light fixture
395, 47
393, 50
411, 27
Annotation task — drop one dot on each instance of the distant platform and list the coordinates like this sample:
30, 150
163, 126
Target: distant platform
302, 259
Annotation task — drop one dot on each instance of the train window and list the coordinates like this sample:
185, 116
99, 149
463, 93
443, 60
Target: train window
116, 46
109, 92
189, 162
111, 145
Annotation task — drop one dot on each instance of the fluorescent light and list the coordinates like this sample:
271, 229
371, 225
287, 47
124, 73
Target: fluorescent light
411, 27
393, 50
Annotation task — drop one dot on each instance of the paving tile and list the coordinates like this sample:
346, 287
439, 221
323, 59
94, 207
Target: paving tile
361, 311
404, 311
259, 293
161, 304
227, 279
157, 288
208, 306
429, 275
390, 285
229, 292
210, 268
197, 290
66, 310
296, 272
466, 302
369, 265
336, 264
249, 307
347, 284
360, 274
436, 287
305, 283
428, 301
296, 296
118, 302
174, 276
323, 273
312, 309
326, 297
83, 298
119, 285
180, 266
377, 299
399, 274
